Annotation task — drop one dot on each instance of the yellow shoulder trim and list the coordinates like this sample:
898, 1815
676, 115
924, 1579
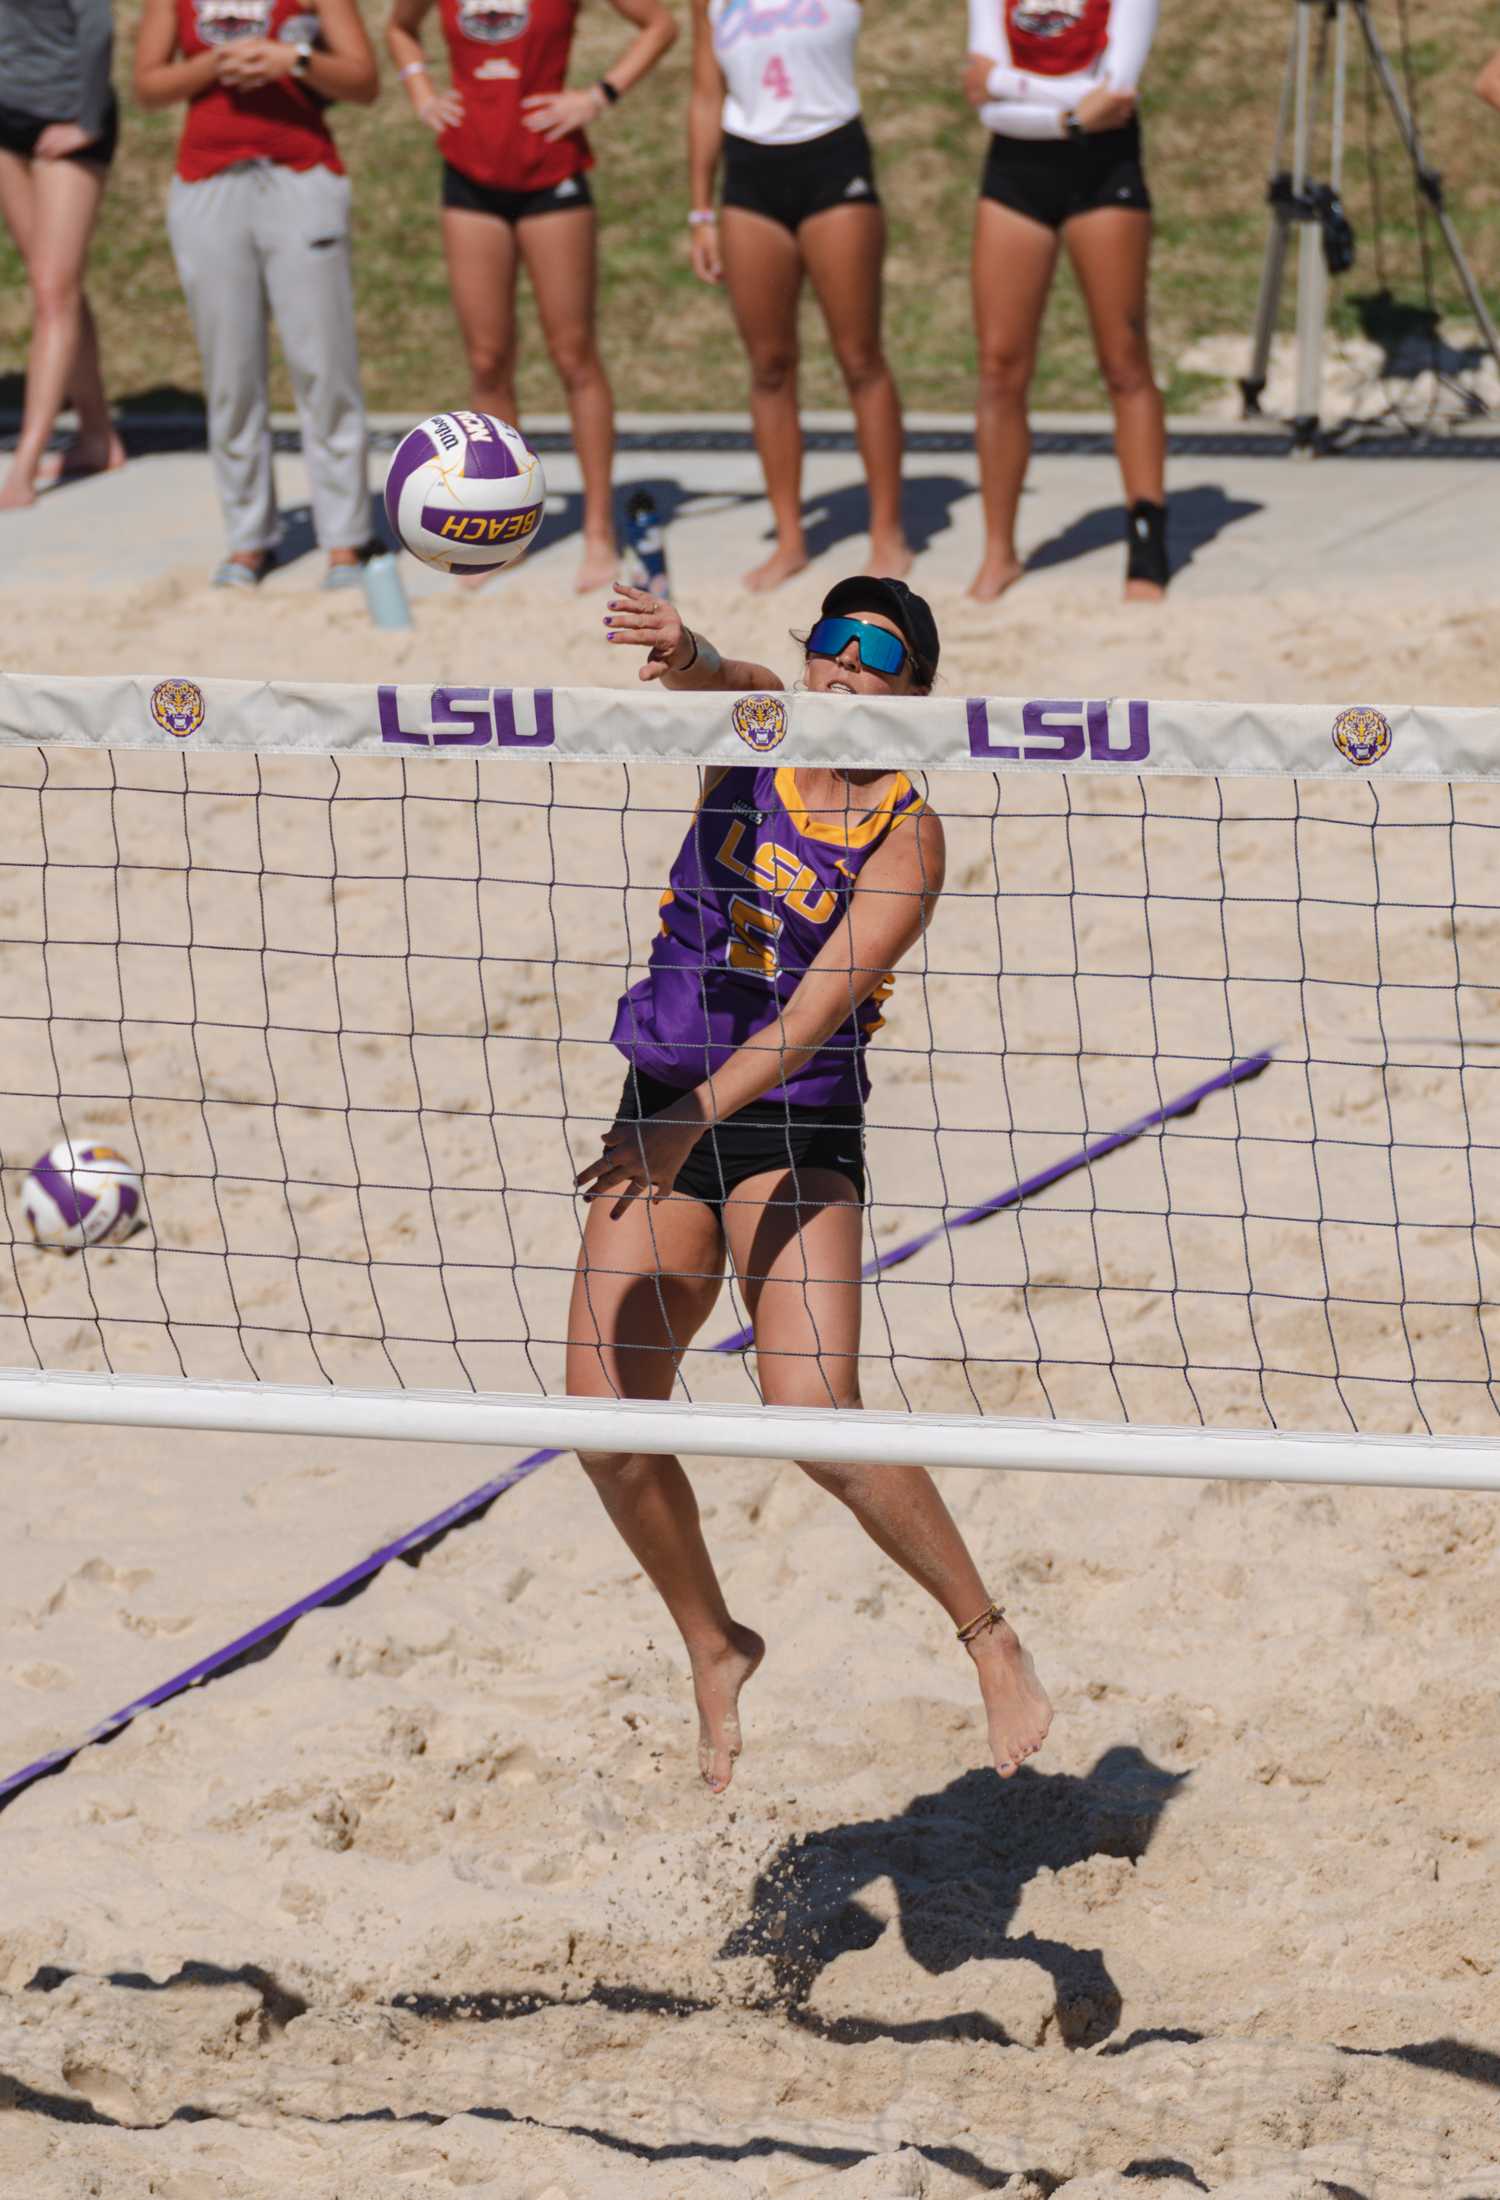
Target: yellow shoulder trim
856, 833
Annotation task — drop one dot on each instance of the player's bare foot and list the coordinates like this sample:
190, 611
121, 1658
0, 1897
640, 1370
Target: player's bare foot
1144, 592
85, 455
890, 557
16, 491
999, 571
597, 566
785, 560
1017, 1707
717, 1681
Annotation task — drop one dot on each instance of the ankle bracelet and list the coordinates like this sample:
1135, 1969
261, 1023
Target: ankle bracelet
989, 1617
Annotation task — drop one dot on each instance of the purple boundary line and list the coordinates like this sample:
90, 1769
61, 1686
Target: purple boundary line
487, 1492
1237, 1072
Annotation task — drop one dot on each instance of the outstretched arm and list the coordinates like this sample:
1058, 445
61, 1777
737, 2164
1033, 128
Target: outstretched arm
888, 912
678, 657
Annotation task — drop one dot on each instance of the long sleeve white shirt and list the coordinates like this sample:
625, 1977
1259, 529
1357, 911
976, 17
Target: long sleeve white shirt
1026, 104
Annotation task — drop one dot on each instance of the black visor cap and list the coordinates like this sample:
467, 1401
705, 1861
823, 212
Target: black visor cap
907, 611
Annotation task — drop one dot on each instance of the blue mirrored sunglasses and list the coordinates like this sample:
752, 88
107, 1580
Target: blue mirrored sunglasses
879, 649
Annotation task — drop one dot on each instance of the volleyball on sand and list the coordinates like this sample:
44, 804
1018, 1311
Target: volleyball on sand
81, 1193
465, 492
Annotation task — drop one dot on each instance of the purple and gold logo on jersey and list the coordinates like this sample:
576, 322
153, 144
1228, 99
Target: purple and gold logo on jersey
177, 707
760, 721
494, 22
1361, 735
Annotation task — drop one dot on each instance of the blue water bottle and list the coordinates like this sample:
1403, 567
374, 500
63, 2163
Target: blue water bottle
644, 534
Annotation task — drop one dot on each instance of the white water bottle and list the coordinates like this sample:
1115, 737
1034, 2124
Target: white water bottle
384, 593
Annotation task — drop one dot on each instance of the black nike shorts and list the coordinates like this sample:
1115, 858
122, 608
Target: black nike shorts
787, 183
763, 1136
1052, 179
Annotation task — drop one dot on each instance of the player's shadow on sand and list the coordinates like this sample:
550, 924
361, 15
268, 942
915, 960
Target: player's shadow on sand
563, 518
959, 1860
843, 515
1411, 338
1196, 517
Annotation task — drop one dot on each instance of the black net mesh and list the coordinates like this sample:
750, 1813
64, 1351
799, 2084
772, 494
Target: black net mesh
351, 1019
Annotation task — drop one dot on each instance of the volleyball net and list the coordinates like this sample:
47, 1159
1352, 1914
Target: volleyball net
1183, 1149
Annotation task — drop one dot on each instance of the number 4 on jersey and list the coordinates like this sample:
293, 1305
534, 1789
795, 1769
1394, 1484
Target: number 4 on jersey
776, 79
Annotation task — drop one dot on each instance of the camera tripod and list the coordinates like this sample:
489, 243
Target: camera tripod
1326, 240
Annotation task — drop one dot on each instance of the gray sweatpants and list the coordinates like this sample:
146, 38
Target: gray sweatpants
261, 240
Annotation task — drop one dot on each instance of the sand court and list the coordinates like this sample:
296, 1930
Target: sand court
429, 1896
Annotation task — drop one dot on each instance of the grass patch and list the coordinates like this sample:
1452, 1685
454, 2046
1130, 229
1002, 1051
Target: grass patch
1210, 107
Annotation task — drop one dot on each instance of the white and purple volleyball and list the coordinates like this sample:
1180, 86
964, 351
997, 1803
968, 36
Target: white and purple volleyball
82, 1193
465, 492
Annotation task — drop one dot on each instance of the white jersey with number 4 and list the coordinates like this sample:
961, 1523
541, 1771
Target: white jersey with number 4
788, 67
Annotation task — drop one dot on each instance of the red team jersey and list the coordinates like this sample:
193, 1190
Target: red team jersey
1056, 37
500, 52
284, 122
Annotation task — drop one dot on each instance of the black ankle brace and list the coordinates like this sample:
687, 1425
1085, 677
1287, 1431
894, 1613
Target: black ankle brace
1146, 533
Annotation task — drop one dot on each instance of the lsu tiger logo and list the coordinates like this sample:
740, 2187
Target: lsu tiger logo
1361, 735
177, 707
760, 721
494, 22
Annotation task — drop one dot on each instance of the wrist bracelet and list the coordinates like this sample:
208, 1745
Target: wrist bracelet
413, 68
700, 215
692, 637
611, 92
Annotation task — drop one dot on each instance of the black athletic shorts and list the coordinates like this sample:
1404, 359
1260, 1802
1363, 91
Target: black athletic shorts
19, 133
1052, 179
766, 1135
786, 183
469, 197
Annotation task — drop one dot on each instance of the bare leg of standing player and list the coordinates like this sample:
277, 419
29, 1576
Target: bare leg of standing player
559, 250
763, 272
50, 207
1014, 260
1110, 248
843, 250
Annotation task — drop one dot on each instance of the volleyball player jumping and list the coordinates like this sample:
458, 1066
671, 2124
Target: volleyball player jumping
792, 899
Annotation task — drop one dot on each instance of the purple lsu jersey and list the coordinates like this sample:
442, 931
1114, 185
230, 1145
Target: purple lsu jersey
759, 885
